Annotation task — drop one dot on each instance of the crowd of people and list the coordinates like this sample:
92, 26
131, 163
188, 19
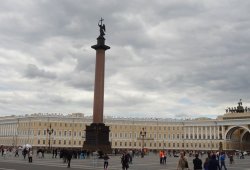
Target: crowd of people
213, 160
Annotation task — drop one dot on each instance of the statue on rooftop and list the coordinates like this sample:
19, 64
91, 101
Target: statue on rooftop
240, 108
240, 103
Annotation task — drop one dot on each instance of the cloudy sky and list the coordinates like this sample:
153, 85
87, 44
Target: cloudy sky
171, 59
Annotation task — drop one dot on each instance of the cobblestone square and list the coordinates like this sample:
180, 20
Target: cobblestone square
149, 162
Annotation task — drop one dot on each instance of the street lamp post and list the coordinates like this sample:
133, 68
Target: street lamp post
133, 134
211, 143
50, 131
157, 133
143, 135
28, 140
183, 136
83, 137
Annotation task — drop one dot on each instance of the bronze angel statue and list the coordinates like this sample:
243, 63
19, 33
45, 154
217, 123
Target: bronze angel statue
102, 27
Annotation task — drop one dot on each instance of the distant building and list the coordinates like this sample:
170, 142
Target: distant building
228, 132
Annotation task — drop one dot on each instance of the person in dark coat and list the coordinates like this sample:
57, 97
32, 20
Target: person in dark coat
205, 165
213, 164
69, 154
106, 163
197, 162
24, 153
125, 161
55, 153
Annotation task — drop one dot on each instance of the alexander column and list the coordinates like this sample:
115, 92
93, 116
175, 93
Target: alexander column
97, 134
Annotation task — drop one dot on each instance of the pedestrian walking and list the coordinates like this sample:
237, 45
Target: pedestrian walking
30, 155
231, 158
24, 152
42, 153
213, 164
4, 153
69, 154
161, 156
125, 161
182, 163
222, 161
205, 165
130, 156
164, 157
55, 153
16, 153
106, 161
197, 162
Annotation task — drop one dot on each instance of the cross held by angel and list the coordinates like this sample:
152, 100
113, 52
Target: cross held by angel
102, 27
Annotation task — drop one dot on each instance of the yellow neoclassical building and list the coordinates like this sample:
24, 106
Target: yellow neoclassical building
228, 132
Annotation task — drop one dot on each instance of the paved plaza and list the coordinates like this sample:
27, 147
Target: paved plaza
149, 162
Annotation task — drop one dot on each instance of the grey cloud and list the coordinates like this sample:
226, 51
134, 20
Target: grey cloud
32, 71
80, 80
162, 50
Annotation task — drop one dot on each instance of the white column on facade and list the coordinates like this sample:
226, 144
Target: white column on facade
184, 132
206, 129
9, 128
214, 133
202, 132
210, 131
5, 130
189, 132
223, 133
197, 130
13, 129
193, 132
218, 132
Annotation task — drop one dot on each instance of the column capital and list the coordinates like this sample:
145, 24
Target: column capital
100, 44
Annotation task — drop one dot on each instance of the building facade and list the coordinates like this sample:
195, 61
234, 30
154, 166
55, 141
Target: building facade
228, 132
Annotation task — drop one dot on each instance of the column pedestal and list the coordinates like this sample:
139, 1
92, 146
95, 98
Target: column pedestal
97, 138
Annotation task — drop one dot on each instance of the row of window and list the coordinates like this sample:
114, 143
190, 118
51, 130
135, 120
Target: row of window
123, 135
60, 133
163, 136
55, 124
155, 128
55, 133
135, 144
58, 142
204, 136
